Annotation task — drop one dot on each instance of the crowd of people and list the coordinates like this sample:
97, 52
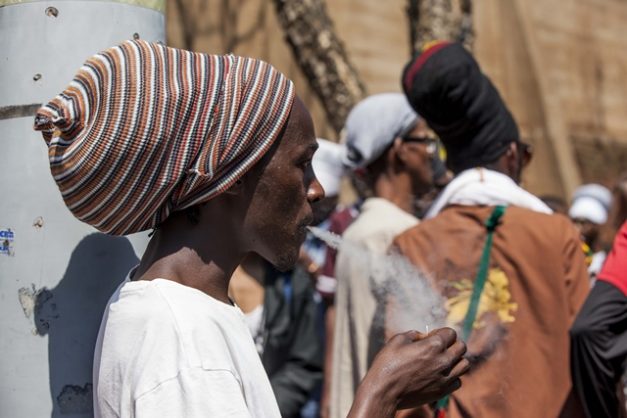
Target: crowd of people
237, 310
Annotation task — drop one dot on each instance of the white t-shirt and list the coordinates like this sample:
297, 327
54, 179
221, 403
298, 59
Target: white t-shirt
168, 350
255, 323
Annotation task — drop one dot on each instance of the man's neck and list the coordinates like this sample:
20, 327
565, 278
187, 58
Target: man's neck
190, 258
396, 190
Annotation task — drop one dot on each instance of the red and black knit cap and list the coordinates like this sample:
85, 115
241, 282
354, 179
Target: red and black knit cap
144, 130
445, 85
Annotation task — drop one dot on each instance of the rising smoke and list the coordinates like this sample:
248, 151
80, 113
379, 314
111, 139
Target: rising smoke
413, 303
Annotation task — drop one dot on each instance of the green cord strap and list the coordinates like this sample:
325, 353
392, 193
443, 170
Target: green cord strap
482, 274
480, 279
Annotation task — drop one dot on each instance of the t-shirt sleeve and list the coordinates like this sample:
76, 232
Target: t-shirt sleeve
614, 270
194, 393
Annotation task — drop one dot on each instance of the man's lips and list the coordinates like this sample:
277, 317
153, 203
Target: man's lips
306, 222
302, 226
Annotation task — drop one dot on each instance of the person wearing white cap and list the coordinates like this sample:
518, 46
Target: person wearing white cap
389, 147
327, 164
589, 211
591, 202
317, 257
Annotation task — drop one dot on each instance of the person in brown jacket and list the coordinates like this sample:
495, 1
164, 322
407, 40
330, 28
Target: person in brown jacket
513, 274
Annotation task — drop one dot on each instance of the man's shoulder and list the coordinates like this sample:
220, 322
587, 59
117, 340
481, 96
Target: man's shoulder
614, 270
163, 306
379, 217
138, 303
548, 227
479, 214
450, 219
458, 218
528, 214
166, 317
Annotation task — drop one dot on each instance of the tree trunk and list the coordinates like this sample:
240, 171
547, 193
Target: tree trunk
203, 18
321, 56
431, 20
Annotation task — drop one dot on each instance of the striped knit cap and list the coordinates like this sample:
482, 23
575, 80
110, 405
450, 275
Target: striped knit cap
144, 130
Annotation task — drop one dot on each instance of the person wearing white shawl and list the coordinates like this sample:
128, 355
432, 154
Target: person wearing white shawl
512, 273
484, 187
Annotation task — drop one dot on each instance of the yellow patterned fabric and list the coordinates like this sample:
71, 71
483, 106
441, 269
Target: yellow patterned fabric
496, 297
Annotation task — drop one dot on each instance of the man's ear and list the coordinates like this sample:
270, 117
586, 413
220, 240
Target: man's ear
513, 161
399, 153
512, 150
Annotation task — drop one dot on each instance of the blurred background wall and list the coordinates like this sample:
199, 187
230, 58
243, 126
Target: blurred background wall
559, 64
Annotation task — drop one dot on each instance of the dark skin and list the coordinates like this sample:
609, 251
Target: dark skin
435, 355
282, 182
511, 163
618, 211
589, 233
403, 173
323, 208
267, 213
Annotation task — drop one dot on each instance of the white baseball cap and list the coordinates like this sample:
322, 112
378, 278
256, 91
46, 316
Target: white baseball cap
328, 167
373, 124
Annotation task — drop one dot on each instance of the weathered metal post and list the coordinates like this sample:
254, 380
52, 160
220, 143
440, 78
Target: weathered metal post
56, 274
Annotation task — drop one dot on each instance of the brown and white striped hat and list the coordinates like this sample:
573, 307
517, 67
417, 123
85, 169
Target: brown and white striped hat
144, 130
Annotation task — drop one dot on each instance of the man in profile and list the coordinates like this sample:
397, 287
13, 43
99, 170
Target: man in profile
214, 154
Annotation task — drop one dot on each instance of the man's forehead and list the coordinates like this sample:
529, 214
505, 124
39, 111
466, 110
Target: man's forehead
301, 144
299, 130
301, 115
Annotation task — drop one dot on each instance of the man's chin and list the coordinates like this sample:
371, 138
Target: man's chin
285, 262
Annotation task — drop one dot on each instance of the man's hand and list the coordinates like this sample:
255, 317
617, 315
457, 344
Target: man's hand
412, 369
424, 368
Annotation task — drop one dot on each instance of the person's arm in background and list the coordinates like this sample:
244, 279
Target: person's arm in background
576, 278
599, 338
327, 286
295, 380
325, 399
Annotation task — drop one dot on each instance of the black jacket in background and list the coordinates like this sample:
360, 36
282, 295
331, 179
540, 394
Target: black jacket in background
292, 354
599, 351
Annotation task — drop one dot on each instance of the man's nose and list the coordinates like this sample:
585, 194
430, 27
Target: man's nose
315, 192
